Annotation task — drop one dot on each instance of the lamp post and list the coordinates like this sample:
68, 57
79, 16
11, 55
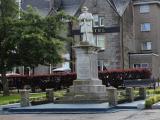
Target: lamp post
19, 8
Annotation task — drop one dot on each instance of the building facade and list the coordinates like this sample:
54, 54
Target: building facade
146, 32
127, 31
112, 28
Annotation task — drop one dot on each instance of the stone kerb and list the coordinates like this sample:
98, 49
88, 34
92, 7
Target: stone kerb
142, 92
49, 95
130, 94
112, 96
24, 94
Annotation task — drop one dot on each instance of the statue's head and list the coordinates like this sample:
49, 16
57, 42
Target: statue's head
84, 9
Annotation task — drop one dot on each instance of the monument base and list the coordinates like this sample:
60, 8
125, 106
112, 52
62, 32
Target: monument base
87, 88
86, 91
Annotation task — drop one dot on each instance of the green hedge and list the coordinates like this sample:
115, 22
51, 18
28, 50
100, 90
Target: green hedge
152, 100
64, 80
152, 91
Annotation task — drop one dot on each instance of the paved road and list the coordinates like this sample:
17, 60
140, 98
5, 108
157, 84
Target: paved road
122, 115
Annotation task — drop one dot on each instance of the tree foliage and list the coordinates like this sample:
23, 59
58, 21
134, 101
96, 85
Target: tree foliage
28, 41
38, 40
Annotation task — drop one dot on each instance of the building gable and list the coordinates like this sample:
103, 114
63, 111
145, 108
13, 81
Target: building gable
119, 5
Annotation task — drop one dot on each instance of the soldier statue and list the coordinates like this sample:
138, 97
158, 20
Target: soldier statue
85, 22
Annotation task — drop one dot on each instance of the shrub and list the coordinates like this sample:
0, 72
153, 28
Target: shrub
153, 91
64, 80
115, 77
152, 100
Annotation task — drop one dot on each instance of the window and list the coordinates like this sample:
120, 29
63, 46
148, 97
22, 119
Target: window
100, 41
145, 27
100, 65
136, 65
141, 65
144, 8
98, 20
144, 65
95, 21
101, 21
65, 65
147, 46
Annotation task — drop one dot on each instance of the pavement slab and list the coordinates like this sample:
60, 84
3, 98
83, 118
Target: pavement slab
60, 108
70, 108
119, 115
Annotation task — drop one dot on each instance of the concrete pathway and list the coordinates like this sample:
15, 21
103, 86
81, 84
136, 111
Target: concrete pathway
60, 108
119, 115
132, 105
71, 108
10, 105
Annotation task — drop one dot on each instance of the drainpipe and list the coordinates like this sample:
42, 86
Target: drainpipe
129, 59
70, 25
121, 40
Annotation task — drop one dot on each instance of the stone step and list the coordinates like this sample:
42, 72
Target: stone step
61, 108
78, 98
82, 101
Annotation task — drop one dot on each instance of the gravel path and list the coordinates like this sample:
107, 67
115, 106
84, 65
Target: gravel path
121, 115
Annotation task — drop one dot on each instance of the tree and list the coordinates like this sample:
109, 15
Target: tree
8, 13
28, 41
39, 41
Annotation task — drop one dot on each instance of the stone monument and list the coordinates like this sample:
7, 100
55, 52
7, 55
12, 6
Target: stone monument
87, 87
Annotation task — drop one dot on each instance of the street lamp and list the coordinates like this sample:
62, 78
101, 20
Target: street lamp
19, 8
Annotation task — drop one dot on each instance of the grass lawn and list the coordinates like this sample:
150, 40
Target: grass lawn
15, 98
150, 93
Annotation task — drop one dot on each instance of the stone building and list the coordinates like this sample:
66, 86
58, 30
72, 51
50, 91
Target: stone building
126, 30
146, 31
116, 16
113, 29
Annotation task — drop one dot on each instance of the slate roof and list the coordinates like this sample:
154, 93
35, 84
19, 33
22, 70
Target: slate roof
42, 5
71, 6
119, 5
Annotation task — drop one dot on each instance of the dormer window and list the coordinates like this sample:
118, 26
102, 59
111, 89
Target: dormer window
144, 8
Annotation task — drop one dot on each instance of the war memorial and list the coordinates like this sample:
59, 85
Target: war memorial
87, 94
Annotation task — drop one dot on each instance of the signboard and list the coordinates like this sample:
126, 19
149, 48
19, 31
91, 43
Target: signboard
98, 30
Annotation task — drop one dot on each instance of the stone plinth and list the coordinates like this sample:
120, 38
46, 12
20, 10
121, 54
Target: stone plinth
130, 94
142, 92
24, 94
49, 95
87, 87
86, 64
112, 96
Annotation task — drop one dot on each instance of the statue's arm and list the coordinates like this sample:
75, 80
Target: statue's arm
81, 23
